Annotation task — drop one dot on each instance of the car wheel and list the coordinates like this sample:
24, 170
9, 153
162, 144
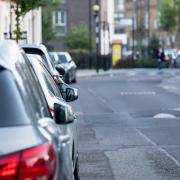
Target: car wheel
67, 79
76, 170
74, 80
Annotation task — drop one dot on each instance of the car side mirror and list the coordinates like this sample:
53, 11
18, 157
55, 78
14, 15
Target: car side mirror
62, 114
68, 93
60, 69
71, 94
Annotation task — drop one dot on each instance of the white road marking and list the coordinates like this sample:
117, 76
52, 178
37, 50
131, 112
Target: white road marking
101, 99
169, 87
92, 91
160, 148
164, 115
137, 93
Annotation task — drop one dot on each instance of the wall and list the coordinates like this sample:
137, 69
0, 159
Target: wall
32, 23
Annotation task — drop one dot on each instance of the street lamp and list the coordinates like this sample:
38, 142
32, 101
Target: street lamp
133, 25
96, 9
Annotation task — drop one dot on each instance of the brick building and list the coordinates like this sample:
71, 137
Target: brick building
70, 12
146, 23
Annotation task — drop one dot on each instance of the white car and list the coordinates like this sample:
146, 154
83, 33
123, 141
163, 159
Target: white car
55, 101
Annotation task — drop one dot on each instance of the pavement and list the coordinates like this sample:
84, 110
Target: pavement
84, 73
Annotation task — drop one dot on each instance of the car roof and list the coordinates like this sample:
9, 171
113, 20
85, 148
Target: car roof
9, 53
34, 46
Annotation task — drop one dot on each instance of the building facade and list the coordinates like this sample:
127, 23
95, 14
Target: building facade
145, 23
69, 13
31, 23
78, 12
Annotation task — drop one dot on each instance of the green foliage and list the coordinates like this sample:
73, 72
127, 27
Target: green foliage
78, 38
168, 16
83, 58
47, 26
154, 45
154, 42
146, 63
21, 7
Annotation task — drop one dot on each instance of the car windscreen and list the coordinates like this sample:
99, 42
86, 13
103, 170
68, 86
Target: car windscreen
62, 58
12, 109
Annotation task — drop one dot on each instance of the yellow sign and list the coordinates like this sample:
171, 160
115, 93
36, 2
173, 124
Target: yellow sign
116, 53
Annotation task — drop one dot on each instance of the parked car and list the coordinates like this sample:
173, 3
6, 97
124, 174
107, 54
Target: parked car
65, 59
31, 144
61, 84
42, 51
171, 57
55, 101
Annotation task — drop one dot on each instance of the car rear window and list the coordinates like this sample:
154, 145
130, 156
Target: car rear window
12, 109
36, 52
62, 58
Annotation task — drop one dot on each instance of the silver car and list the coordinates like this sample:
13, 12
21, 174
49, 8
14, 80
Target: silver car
31, 144
55, 101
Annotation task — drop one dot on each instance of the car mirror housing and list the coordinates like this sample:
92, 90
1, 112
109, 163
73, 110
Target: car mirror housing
68, 93
60, 69
71, 94
62, 114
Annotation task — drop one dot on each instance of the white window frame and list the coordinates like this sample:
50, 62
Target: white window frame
60, 23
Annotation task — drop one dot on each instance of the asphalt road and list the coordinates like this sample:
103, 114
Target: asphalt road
129, 127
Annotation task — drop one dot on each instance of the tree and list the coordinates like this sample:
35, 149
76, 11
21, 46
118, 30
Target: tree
170, 17
177, 7
154, 45
47, 18
78, 37
167, 17
21, 7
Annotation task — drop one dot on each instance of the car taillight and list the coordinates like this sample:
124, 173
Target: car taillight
9, 167
52, 112
35, 163
57, 79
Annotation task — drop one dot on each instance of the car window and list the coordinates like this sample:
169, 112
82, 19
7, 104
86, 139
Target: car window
62, 58
12, 107
52, 87
36, 51
33, 93
53, 58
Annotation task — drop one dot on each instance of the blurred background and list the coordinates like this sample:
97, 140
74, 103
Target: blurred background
99, 34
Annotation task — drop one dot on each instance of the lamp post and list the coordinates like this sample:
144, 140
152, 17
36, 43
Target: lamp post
90, 33
10, 21
104, 26
133, 25
96, 9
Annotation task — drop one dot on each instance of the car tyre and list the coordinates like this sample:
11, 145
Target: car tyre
67, 79
74, 80
76, 170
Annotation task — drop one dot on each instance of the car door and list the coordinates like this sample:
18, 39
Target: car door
70, 128
35, 96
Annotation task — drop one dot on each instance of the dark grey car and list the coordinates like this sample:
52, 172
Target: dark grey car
64, 59
31, 145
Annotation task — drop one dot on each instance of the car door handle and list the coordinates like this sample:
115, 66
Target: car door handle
64, 138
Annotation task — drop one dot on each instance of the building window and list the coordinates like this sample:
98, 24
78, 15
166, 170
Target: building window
60, 22
118, 30
119, 14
